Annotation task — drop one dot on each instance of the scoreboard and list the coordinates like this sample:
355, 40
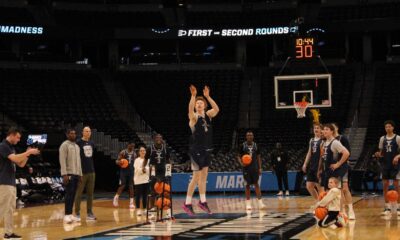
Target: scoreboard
304, 47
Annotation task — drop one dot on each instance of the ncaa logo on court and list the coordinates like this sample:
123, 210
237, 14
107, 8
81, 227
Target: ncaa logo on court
220, 226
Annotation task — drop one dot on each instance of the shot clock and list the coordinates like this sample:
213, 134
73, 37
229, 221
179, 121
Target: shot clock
304, 47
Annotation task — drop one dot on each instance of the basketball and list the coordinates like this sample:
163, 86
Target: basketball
246, 159
123, 163
321, 212
322, 194
158, 187
165, 206
166, 195
392, 196
342, 219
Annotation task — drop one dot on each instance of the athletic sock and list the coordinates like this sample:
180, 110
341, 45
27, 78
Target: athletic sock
248, 203
203, 198
188, 200
350, 207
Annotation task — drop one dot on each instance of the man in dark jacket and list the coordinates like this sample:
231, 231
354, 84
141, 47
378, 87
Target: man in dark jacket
279, 164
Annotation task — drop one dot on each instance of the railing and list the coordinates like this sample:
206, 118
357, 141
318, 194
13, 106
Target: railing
139, 124
126, 111
122, 104
368, 72
354, 122
353, 126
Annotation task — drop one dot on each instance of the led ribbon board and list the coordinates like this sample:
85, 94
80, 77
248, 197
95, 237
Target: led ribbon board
24, 30
236, 32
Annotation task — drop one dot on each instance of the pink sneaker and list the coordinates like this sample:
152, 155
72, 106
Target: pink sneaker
188, 208
204, 207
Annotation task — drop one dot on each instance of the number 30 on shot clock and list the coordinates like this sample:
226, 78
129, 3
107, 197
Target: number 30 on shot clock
304, 47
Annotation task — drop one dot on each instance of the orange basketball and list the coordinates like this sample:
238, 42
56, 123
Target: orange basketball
166, 195
123, 163
246, 159
321, 212
165, 206
158, 187
392, 196
322, 194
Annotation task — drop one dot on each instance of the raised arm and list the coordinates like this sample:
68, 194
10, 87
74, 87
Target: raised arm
214, 107
192, 102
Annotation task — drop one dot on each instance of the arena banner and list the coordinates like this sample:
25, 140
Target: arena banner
25, 30
230, 181
237, 32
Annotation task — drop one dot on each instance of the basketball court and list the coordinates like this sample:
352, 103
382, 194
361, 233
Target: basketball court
285, 218
140, 103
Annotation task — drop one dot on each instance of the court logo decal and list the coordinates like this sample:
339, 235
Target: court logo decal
217, 226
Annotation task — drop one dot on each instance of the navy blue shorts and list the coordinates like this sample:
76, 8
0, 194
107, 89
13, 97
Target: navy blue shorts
200, 159
391, 174
312, 176
250, 176
125, 178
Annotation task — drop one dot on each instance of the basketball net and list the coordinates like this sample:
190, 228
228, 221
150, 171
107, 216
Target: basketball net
301, 108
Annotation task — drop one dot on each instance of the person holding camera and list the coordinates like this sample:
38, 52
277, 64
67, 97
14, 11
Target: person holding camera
8, 160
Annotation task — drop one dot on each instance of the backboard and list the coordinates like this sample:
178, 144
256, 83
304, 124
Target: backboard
313, 88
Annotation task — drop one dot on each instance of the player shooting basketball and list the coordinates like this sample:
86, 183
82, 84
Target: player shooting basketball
200, 146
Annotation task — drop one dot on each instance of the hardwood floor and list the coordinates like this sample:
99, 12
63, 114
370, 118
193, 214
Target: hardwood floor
46, 222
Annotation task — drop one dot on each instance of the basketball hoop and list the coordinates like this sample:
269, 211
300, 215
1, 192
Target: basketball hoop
301, 108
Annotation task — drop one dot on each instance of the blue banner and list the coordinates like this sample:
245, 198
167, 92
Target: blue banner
230, 181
